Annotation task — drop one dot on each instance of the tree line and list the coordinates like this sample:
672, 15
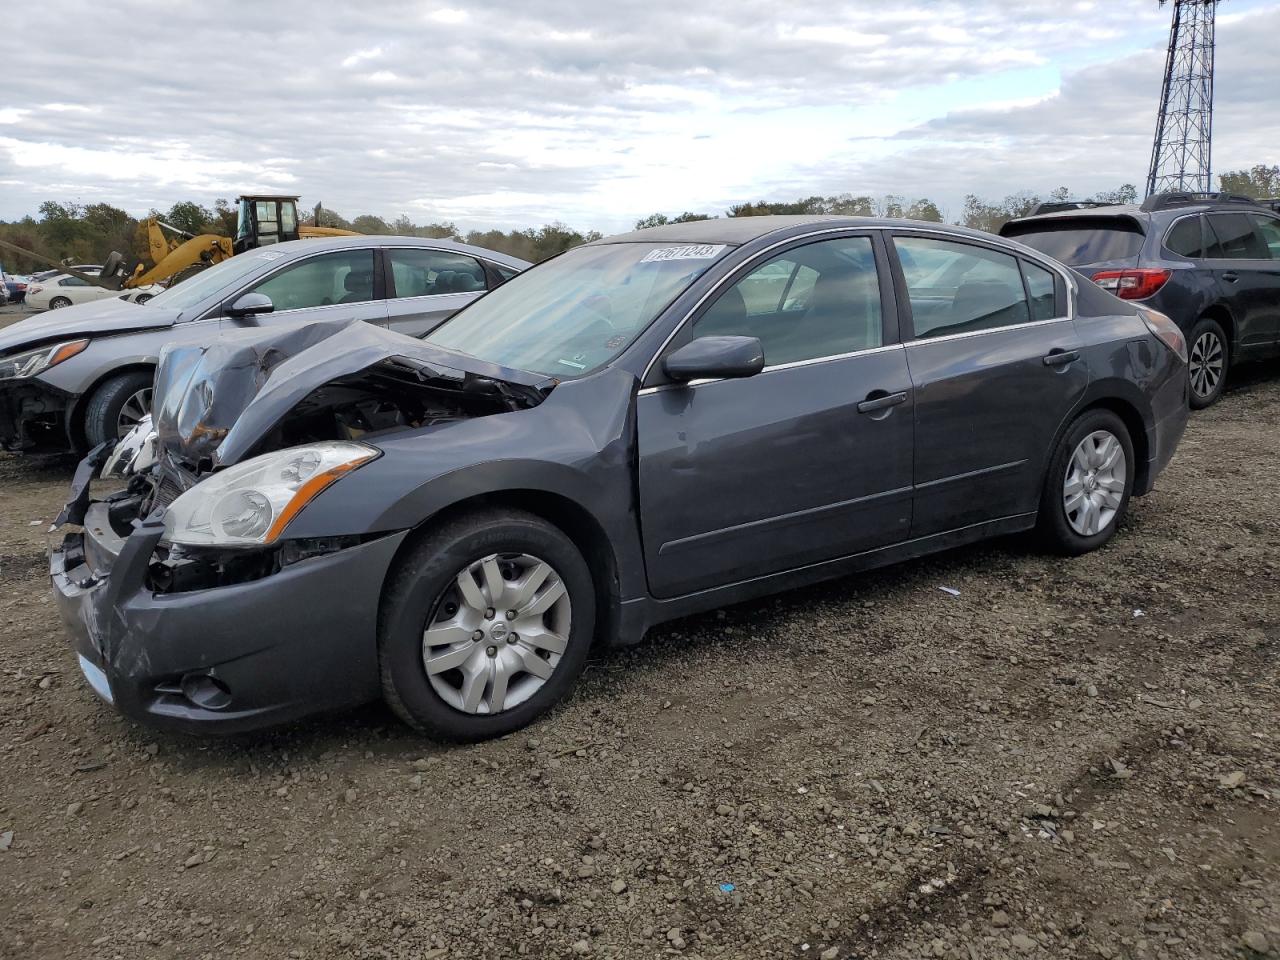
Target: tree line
86, 233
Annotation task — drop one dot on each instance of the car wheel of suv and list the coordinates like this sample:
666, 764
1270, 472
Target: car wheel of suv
116, 407
486, 624
1207, 362
1087, 488
57, 303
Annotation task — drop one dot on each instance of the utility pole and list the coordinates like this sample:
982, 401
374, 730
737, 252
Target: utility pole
1180, 156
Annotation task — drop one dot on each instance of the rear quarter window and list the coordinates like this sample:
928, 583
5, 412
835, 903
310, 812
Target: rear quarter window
1080, 240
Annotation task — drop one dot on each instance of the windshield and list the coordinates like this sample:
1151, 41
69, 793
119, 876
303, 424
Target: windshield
571, 315
206, 283
1084, 240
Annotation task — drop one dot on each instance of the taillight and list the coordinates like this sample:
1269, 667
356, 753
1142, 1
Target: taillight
36, 289
1136, 284
1164, 328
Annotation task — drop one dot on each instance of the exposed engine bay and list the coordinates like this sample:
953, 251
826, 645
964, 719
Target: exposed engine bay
260, 391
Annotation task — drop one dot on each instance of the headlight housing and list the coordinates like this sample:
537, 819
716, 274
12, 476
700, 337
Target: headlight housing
20, 366
251, 503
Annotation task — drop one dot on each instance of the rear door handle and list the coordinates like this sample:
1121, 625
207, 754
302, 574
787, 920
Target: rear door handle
879, 400
1231, 276
1058, 358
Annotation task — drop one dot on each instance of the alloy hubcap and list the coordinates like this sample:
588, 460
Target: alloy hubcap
134, 409
497, 633
1094, 486
1206, 363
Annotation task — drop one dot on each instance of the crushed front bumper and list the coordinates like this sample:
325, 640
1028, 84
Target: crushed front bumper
224, 659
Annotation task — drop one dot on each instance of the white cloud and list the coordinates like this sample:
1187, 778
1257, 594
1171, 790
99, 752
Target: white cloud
505, 113
360, 56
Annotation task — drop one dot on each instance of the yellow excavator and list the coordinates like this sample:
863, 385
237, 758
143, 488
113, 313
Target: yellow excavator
177, 254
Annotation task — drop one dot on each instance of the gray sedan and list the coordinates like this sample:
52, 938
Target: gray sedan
74, 377
644, 427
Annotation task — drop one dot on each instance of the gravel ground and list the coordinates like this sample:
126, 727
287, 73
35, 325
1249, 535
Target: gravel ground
1067, 759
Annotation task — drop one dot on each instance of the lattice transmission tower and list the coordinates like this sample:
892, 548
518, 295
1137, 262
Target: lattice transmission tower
1184, 129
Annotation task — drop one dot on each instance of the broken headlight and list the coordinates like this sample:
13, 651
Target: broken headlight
251, 503
20, 366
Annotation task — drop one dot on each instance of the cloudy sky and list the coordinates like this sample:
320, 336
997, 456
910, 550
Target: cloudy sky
518, 113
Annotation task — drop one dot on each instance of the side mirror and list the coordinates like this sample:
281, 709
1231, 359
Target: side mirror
250, 305
716, 357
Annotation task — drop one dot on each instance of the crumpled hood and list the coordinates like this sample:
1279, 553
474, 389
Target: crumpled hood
102, 317
213, 403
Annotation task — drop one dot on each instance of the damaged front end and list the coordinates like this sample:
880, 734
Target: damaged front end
194, 607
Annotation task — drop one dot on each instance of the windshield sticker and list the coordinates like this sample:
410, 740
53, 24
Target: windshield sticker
270, 256
693, 251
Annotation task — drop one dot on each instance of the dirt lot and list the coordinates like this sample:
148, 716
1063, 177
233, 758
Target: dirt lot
1068, 759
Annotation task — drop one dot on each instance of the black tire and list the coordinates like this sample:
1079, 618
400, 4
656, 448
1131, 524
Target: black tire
418, 585
143, 298
57, 303
1055, 524
1209, 340
102, 414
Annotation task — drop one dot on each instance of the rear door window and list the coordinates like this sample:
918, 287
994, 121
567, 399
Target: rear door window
1186, 238
1269, 230
1236, 238
1078, 240
424, 273
1042, 287
960, 287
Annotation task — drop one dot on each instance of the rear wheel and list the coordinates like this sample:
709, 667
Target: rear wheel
57, 303
1207, 362
1088, 485
117, 405
485, 626
143, 297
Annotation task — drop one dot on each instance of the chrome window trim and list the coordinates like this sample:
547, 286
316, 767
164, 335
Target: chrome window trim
433, 296
645, 391
998, 244
920, 341
458, 253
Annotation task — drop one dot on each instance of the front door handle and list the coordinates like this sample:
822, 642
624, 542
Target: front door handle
1058, 358
878, 400
1231, 276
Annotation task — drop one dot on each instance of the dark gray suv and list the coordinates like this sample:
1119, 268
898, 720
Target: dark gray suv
1211, 262
639, 429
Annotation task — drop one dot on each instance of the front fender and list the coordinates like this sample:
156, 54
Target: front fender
578, 446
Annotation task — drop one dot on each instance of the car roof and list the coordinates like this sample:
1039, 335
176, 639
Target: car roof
311, 245
739, 230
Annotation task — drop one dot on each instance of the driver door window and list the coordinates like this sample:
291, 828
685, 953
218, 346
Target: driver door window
819, 300
331, 278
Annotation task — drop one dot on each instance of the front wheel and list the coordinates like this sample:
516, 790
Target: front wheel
1207, 362
116, 407
1089, 483
485, 626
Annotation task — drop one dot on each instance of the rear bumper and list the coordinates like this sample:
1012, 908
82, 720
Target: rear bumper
224, 659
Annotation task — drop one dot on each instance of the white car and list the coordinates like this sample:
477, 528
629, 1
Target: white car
64, 290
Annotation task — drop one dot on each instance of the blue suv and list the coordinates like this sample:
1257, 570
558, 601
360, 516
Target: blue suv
1211, 262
